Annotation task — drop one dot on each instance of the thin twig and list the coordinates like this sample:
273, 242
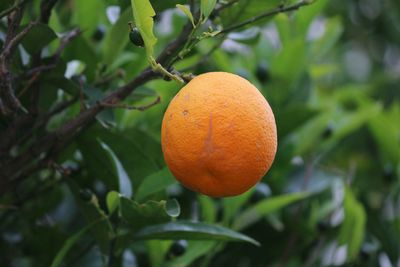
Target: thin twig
109, 78
7, 11
10, 102
57, 55
10, 47
224, 6
278, 10
204, 58
31, 81
128, 107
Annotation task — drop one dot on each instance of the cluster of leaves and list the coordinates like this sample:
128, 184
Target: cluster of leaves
108, 199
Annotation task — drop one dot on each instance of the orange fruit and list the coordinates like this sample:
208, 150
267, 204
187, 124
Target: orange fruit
219, 135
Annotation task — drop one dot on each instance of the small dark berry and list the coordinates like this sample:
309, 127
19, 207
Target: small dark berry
157, 18
261, 192
328, 131
136, 37
323, 226
262, 72
388, 173
178, 248
365, 252
98, 35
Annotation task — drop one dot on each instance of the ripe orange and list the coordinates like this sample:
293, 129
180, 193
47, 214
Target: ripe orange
219, 135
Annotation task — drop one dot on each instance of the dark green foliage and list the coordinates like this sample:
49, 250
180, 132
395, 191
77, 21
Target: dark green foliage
101, 194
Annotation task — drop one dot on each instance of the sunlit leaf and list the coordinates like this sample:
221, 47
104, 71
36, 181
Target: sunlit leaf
207, 7
352, 229
143, 14
187, 12
265, 207
192, 231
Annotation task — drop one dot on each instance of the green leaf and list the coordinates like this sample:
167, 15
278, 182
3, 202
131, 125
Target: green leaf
112, 201
265, 207
207, 208
97, 161
348, 122
157, 251
195, 250
192, 231
63, 83
333, 31
243, 10
117, 38
140, 154
143, 13
103, 231
155, 182
125, 185
86, 18
289, 64
206, 8
307, 15
386, 134
4, 4
152, 212
233, 204
187, 12
292, 117
353, 227
68, 244
160, 6
37, 38
80, 49
249, 36
304, 138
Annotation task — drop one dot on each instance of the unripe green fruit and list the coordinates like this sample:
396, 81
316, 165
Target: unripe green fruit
136, 37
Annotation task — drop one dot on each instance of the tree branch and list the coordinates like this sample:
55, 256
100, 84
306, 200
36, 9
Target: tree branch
128, 107
57, 55
17, 5
45, 10
9, 102
12, 44
278, 10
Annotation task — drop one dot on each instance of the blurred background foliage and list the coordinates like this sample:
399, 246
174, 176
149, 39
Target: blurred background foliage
331, 73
